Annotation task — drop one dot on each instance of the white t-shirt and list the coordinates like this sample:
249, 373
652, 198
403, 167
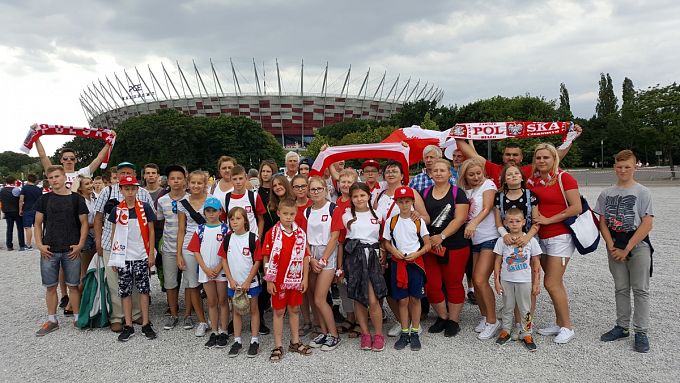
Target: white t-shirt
240, 259
212, 240
516, 266
135, 250
366, 228
319, 225
405, 234
71, 177
486, 229
219, 194
387, 206
166, 212
244, 202
191, 225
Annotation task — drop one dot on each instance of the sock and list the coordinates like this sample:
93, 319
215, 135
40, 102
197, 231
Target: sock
75, 317
237, 339
404, 330
52, 318
255, 339
220, 331
414, 330
471, 289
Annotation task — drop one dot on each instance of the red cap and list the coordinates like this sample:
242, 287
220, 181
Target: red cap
373, 163
404, 192
128, 180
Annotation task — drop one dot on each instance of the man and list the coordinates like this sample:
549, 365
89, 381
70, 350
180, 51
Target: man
108, 199
457, 158
152, 179
292, 164
512, 154
29, 195
422, 181
9, 198
64, 238
68, 159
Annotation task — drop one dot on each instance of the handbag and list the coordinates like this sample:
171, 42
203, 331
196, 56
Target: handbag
584, 226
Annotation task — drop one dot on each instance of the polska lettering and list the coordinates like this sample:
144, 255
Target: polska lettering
515, 129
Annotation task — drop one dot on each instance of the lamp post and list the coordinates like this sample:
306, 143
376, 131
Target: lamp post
602, 152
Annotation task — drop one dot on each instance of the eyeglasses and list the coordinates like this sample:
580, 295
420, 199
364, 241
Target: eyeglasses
68, 158
317, 190
370, 171
299, 187
174, 207
392, 172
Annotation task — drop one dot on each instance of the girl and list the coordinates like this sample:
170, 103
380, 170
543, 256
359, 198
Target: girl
445, 265
323, 245
555, 238
86, 189
302, 201
265, 175
481, 228
205, 244
240, 264
364, 260
513, 194
189, 216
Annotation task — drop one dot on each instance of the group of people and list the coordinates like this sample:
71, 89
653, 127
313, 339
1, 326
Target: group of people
291, 239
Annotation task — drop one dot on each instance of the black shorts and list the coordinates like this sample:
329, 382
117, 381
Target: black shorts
135, 273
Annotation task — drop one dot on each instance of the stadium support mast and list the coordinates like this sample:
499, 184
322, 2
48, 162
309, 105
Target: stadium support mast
257, 79
169, 80
412, 91
302, 95
237, 86
345, 85
380, 85
140, 78
124, 88
199, 80
323, 92
421, 91
184, 80
113, 99
216, 80
102, 95
392, 88
403, 89
278, 78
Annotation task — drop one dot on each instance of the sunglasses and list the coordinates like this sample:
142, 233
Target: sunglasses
68, 158
174, 207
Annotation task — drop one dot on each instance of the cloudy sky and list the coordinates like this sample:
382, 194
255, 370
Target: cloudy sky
49, 51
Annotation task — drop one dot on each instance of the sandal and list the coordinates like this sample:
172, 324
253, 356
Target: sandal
305, 329
351, 329
276, 355
300, 348
316, 331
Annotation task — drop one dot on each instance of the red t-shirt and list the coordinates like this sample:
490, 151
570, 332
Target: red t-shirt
300, 218
336, 220
551, 202
287, 245
493, 172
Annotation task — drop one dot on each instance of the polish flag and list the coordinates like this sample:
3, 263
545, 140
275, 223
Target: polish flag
418, 138
392, 151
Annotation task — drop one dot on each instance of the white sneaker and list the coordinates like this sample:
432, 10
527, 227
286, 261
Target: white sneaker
394, 330
201, 329
490, 330
565, 335
551, 330
481, 326
516, 330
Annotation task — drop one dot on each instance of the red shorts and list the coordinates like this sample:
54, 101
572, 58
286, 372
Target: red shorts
283, 298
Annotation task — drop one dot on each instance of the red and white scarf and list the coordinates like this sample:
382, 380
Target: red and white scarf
120, 237
294, 271
37, 130
513, 129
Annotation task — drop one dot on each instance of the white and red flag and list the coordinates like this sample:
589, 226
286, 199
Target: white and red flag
392, 151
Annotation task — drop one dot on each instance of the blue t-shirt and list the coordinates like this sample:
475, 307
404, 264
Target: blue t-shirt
31, 194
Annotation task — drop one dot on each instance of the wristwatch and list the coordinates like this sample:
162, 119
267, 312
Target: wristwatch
443, 236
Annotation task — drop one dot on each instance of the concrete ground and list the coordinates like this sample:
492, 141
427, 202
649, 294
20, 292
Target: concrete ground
70, 354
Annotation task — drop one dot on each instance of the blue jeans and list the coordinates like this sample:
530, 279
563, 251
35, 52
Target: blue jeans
14, 219
49, 269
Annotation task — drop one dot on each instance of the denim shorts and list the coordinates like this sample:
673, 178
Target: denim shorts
489, 245
49, 269
252, 292
89, 243
28, 218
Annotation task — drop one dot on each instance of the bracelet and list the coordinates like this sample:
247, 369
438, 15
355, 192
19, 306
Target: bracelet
502, 231
338, 272
323, 262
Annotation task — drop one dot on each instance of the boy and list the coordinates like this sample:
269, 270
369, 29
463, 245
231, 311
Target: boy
132, 253
626, 220
64, 215
519, 279
407, 241
167, 218
286, 259
29, 195
247, 199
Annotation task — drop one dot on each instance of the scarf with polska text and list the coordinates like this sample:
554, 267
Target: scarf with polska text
294, 270
515, 129
120, 237
37, 130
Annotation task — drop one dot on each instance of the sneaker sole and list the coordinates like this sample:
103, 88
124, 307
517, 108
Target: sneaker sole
151, 337
530, 349
232, 355
564, 341
328, 348
125, 340
251, 355
166, 328
46, 332
377, 349
502, 342
415, 348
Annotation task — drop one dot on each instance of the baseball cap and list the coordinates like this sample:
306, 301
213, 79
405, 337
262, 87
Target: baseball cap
306, 161
126, 164
175, 168
368, 163
213, 203
128, 180
403, 192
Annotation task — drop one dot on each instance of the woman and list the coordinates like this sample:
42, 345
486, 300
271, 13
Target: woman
223, 186
189, 216
265, 175
555, 238
481, 229
386, 207
448, 208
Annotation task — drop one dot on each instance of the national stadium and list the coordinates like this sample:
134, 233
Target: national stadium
289, 102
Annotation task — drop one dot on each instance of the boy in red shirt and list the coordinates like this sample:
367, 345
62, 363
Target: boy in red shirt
286, 259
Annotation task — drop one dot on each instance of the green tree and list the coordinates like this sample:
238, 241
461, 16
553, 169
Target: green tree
341, 129
659, 112
607, 103
564, 109
412, 113
14, 164
428, 123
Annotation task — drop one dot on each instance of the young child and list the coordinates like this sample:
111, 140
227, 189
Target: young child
205, 244
407, 241
287, 258
132, 253
323, 245
519, 279
363, 265
247, 199
626, 220
241, 258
